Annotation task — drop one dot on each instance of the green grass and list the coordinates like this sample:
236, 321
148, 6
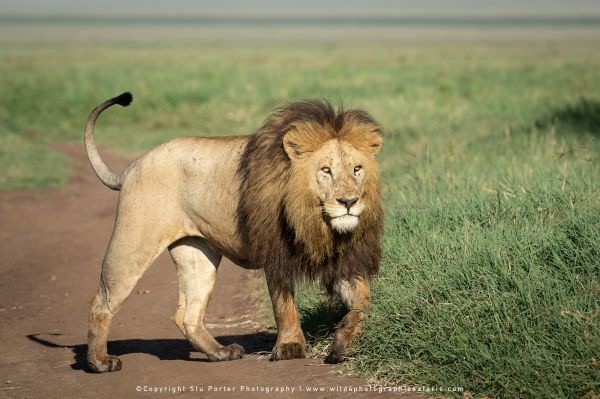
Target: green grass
490, 275
27, 164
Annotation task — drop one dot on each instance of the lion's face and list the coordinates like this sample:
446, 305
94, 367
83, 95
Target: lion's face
338, 181
331, 176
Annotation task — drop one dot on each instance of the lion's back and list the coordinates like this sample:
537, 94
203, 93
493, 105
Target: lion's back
198, 176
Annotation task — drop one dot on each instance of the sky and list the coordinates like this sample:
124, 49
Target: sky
289, 7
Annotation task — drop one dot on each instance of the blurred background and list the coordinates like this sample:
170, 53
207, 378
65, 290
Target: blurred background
273, 20
491, 109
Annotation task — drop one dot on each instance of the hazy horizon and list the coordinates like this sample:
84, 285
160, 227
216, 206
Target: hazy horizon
309, 7
312, 20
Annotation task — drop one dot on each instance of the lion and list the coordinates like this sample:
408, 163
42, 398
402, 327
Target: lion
299, 198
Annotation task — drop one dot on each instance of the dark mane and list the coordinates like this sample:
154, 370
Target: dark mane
272, 243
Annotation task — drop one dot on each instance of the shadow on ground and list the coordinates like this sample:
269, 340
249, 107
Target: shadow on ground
580, 117
320, 321
164, 349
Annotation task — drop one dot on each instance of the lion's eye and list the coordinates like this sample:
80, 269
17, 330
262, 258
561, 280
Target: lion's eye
357, 168
326, 169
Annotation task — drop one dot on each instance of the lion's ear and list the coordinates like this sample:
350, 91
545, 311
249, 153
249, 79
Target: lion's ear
374, 141
362, 131
300, 140
369, 142
292, 147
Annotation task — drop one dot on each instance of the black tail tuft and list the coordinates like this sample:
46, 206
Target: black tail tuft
123, 99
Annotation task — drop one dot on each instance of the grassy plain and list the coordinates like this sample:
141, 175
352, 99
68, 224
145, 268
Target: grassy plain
491, 266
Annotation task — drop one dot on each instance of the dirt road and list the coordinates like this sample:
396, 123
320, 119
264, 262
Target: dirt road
51, 245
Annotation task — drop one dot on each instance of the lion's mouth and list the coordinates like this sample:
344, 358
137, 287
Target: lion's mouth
345, 223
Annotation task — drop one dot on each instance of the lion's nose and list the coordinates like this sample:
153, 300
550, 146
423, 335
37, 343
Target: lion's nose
348, 202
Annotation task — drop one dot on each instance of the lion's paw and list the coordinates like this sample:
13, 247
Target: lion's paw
229, 352
334, 357
290, 350
106, 364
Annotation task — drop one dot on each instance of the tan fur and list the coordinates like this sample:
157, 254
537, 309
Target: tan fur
186, 196
290, 342
304, 210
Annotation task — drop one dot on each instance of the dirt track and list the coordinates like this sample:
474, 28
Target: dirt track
51, 245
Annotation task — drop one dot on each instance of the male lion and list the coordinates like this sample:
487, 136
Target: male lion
299, 198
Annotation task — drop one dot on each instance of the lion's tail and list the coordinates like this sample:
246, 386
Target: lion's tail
108, 178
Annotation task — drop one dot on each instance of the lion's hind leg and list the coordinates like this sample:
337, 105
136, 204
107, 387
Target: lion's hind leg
196, 264
122, 267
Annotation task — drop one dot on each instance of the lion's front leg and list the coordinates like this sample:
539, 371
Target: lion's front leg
290, 342
356, 296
